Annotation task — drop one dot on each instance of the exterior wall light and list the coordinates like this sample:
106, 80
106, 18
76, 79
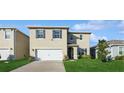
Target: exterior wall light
32, 49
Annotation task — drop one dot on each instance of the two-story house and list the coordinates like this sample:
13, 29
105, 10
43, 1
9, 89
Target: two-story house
13, 44
56, 42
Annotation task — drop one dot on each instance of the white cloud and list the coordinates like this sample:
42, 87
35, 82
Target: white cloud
95, 38
98, 25
91, 25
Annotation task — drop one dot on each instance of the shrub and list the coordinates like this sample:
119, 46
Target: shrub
102, 50
79, 56
104, 59
31, 59
119, 58
65, 58
108, 58
84, 56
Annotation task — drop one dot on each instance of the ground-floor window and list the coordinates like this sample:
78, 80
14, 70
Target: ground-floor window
82, 51
121, 50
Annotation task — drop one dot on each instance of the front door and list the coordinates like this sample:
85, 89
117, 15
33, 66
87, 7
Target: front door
70, 53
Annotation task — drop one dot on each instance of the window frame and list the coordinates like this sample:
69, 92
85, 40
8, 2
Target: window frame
5, 34
81, 36
71, 37
57, 35
121, 50
42, 35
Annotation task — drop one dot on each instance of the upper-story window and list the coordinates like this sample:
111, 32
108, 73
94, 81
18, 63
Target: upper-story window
40, 33
81, 36
121, 50
57, 33
7, 34
71, 37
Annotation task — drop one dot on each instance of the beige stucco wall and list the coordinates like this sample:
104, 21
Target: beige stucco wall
18, 44
7, 43
48, 42
84, 43
75, 53
21, 45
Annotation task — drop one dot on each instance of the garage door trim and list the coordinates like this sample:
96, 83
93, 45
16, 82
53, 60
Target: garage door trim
48, 55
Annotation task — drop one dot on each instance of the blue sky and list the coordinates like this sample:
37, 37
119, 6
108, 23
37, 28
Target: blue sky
100, 29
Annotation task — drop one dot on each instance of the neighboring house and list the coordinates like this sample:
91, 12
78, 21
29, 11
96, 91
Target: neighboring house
116, 48
13, 44
57, 43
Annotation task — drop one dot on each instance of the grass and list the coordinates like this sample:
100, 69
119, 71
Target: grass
5, 67
94, 65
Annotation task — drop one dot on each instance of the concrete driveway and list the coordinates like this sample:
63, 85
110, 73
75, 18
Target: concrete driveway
38, 66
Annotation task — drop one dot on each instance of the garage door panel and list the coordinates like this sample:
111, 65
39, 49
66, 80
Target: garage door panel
50, 54
4, 54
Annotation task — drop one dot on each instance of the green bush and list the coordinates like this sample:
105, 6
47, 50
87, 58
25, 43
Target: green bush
79, 56
31, 59
102, 52
65, 58
84, 56
119, 58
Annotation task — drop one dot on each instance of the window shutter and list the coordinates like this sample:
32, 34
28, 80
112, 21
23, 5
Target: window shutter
44, 33
61, 34
53, 33
36, 33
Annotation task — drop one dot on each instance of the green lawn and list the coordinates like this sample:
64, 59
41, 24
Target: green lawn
5, 67
94, 65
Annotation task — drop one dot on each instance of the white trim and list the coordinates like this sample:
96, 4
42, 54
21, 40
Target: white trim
10, 31
111, 52
4, 48
47, 54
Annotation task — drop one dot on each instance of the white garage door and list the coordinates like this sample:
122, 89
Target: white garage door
49, 54
4, 54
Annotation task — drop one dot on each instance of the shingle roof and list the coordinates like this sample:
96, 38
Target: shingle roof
14, 29
72, 45
113, 42
80, 32
116, 42
48, 27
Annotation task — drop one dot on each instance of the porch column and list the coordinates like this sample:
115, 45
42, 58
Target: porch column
75, 53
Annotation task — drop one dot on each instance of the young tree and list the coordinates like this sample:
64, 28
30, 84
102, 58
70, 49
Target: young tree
102, 51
